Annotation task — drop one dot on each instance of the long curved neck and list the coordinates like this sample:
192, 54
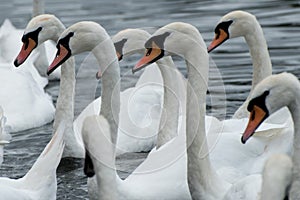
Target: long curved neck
295, 111
203, 181
65, 102
262, 66
38, 7
173, 96
110, 80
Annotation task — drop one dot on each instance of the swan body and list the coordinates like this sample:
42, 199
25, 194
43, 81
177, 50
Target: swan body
40, 181
272, 184
26, 82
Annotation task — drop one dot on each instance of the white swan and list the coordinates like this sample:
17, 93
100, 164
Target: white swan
265, 102
241, 23
50, 27
40, 181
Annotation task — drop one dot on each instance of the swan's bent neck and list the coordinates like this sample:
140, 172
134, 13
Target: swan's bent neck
110, 80
262, 66
173, 99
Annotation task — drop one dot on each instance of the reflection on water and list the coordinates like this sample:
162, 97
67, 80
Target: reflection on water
280, 26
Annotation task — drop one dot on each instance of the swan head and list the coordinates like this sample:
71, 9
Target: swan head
270, 95
232, 25
172, 39
130, 41
80, 37
39, 29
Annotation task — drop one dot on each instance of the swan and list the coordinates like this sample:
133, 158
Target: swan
50, 28
264, 102
40, 181
241, 23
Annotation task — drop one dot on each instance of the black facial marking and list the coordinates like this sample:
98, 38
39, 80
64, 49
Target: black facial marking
88, 168
159, 40
119, 47
259, 101
33, 35
224, 26
64, 42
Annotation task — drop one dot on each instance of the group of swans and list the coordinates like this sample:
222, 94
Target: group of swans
74, 41
164, 174
135, 127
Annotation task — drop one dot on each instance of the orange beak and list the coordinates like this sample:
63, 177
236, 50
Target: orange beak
218, 40
60, 58
257, 116
152, 55
25, 52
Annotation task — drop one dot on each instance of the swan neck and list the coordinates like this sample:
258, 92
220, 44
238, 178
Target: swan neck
262, 66
110, 85
38, 7
168, 126
65, 107
203, 181
295, 111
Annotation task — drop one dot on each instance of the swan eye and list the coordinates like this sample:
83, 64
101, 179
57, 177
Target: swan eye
149, 51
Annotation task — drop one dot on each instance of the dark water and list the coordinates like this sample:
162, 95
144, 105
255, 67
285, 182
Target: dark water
278, 18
